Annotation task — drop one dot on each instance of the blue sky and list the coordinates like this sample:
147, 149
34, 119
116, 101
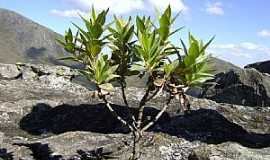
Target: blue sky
242, 27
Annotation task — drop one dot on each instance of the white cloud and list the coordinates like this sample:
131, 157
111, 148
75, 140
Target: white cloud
215, 8
243, 49
176, 5
118, 6
264, 33
241, 53
67, 13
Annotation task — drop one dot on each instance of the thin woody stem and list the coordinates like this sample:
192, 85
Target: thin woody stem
126, 102
184, 101
141, 108
108, 105
123, 93
158, 115
156, 93
144, 100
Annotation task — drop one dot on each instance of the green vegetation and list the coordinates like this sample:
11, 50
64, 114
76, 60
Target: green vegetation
137, 49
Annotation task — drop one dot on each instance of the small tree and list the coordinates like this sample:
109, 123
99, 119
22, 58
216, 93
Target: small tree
137, 49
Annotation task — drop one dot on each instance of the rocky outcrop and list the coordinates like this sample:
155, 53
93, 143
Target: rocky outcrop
228, 151
263, 67
44, 114
244, 87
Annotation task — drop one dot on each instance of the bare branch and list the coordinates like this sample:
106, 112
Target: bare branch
145, 99
141, 107
158, 115
156, 93
123, 93
108, 105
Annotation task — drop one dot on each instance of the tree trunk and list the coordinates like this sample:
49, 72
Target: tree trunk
136, 149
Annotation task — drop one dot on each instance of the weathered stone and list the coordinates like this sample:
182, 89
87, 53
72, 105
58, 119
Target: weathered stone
9, 71
246, 87
1, 138
47, 116
228, 151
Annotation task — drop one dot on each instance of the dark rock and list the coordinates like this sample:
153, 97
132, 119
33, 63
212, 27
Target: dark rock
244, 87
263, 67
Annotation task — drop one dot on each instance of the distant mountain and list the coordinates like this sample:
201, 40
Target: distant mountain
220, 66
22, 40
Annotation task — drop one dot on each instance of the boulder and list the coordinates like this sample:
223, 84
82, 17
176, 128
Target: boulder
9, 71
246, 87
263, 67
48, 116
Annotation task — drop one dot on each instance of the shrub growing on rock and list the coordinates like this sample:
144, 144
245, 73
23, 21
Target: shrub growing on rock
138, 48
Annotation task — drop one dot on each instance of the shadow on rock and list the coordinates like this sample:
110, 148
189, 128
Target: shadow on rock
213, 128
41, 151
4, 154
95, 118
93, 154
204, 125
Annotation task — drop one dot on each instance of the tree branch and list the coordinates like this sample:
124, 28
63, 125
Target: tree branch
156, 93
141, 107
123, 93
145, 99
126, 103
158, 115
108, 105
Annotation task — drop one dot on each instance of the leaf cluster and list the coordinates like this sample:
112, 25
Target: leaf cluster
136, 48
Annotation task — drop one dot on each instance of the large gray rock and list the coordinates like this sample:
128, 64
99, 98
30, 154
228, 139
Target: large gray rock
228, 151
46, 115
263, 67
244, 87
9, 71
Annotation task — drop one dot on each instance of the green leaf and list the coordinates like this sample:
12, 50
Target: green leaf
97, 31
70, 47
140, 24
184, 47
67, 58
69, 36
93, 13
175, 17
175, 31
106, 86
113, 69
207, 44
60, 41
137, 67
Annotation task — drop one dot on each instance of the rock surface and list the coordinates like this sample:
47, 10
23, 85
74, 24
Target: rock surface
228, 151
263, 67
45, 115
244, 87
9, 71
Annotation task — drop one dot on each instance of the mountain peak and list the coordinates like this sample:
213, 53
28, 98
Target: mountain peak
23, 40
